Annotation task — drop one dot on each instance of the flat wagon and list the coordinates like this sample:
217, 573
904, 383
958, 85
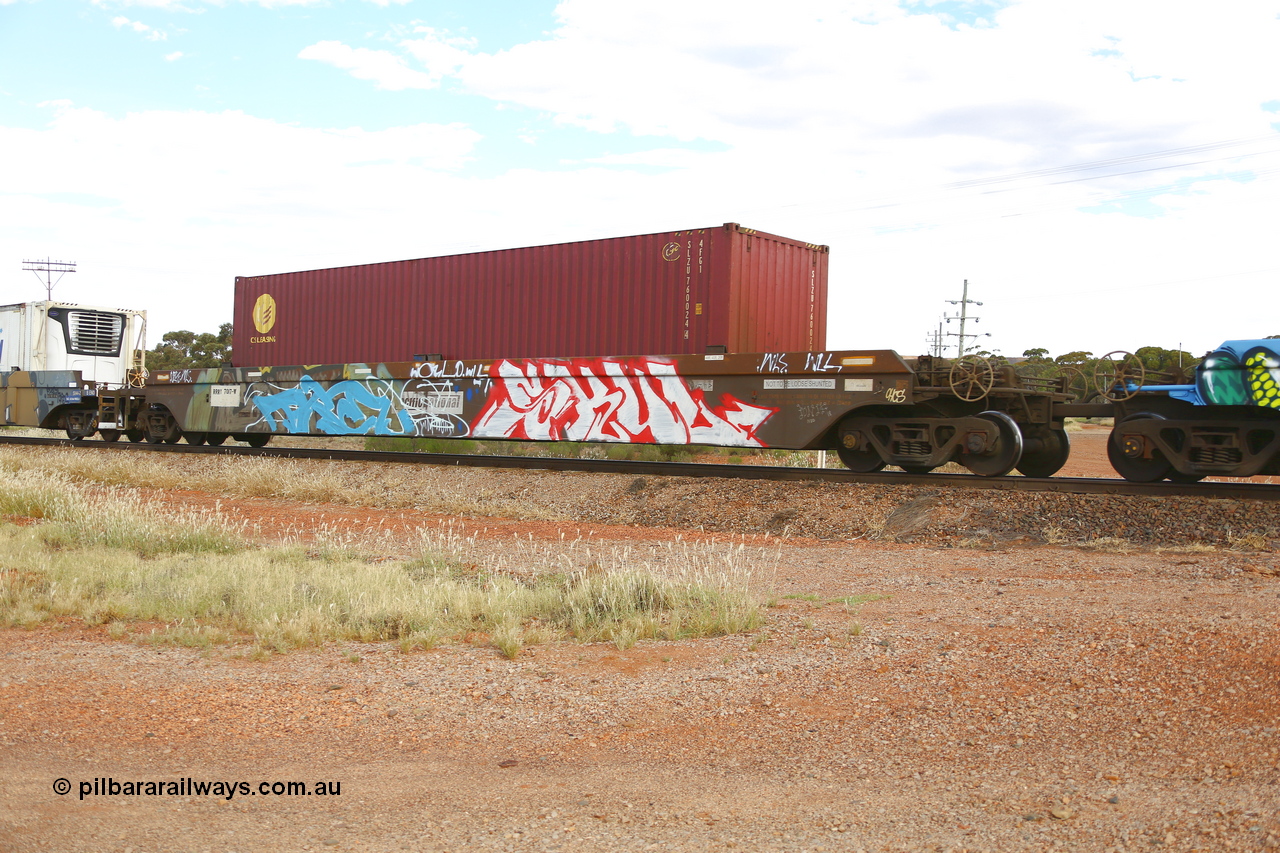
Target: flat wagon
870, 406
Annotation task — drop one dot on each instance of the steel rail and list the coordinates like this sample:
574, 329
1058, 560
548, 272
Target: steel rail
1063, 485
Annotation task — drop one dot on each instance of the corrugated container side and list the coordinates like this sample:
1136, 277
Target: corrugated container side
779, 301
653, 294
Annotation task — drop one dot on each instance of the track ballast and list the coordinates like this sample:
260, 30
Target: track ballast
1066, 485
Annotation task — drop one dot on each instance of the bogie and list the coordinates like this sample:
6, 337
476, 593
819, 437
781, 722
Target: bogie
161, 427
988, 443
1149, 446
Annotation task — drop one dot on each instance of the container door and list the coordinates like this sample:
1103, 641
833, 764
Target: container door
690, 254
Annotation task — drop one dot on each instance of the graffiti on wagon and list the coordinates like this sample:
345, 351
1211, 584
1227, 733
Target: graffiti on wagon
637, 400
352, 406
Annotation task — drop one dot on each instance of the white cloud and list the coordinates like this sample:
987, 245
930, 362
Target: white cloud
163, 209
663, 158
442, 54
857, 124
150, 33
871, 75
388, 71
173, 57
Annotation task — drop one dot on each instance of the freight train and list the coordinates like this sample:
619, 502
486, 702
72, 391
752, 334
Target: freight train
741, 314
872, 407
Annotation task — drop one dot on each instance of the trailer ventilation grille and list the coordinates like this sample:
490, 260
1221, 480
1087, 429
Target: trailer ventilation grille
95, 332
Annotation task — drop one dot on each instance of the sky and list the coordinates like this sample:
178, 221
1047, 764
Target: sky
1102, 173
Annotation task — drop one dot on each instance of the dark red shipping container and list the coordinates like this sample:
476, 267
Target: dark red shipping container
672, 293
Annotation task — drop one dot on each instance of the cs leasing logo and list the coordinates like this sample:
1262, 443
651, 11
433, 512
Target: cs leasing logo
264, 319
671, 252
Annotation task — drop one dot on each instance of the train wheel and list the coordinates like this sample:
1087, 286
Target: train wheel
1126, 454
135, 435
256, 439
1006, 453
109, 435
195, 437
1049, 459
215, 438
860, 461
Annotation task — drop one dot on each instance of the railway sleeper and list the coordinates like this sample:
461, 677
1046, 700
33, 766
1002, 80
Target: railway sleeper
989, 444
1145, 445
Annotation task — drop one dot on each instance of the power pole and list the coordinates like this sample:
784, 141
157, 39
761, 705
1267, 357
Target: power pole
963, 316
49, 267
935, 342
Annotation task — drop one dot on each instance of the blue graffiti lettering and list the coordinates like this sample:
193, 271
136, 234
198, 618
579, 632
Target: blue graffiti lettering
349, 407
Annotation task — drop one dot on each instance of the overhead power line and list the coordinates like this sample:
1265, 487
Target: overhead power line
49, 267
1132, 158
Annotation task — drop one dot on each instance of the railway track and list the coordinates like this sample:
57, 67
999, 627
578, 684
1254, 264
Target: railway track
1065, 485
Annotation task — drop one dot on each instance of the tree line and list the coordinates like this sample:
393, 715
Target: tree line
1171, 362
183, 349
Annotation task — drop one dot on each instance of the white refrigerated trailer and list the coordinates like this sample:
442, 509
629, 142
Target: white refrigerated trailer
56, 358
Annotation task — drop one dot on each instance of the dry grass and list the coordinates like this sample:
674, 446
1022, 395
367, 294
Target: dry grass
281, 479
273, 478
1250, 541
113, 558
1110, 544
1054, 535
79, 519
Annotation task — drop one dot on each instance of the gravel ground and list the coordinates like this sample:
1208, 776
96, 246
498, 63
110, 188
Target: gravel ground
982, 689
